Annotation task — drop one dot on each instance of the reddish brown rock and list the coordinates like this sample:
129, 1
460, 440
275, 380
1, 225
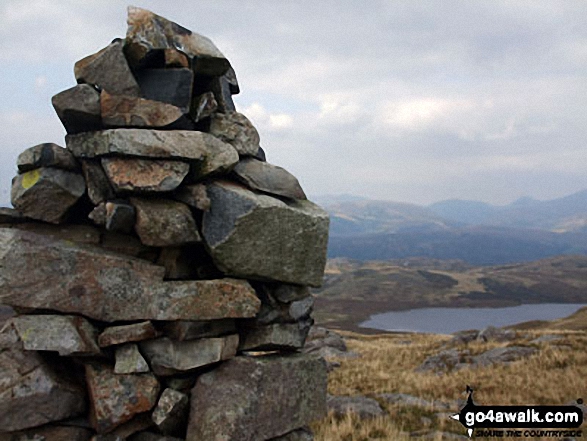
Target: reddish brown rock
116, 399
108, 70
46, 155
116, 335
29, 390
257, 398
127, 111
66, 334
144, 175
78, 108
163, 223
46, 194
147, 32
105, 286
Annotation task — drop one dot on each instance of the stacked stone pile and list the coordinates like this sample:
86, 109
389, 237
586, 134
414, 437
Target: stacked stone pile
158, 265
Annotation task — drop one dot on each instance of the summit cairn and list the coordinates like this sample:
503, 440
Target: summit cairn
159, 268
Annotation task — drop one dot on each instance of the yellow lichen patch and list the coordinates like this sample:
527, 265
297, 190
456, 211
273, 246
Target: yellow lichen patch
30, 178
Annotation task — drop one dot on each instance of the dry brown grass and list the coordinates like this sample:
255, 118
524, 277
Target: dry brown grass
555, 375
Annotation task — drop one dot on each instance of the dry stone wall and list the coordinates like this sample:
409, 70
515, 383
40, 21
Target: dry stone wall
158, 266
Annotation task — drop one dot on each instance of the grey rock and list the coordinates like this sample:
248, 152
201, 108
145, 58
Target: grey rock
147, 32
320, 337
503, 355
194, 195
46, 155
260, 237
144, 175
329, 353
491, 333
221, 90
99, 187
47, 194
78, 108
119, 216
169, 357
203, 106
297, 435
276, 336
171, 86
98, 214
171, 413
181, 330
464, 337
235, 129
11, 216
288, 293
66, 334
301, 308
149, 436
106, 286
80, 234
163, 223
116, 335
268, 178
548, 338
237, 401
117, 398
209, 154
260, 155
413, 401
443, 361
129, 360
362, 406
29, 390
49, 433
108, 69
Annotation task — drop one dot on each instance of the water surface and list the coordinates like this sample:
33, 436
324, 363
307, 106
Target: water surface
449, 320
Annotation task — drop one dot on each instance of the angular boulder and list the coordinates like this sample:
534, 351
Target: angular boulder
163, 223
117, 398
47, 194
194, 195
170, 86
105, 286
66, 334
99, 187
169, 357
148, 31
29, 391
261, 237
78, 108
278, 336
268, 178
116, 335
46, 155
235, 129
171, 412
257, 398
108, 69
119, 216
129, 360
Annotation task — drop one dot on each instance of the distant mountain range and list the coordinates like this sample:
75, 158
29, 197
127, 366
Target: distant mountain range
476, 232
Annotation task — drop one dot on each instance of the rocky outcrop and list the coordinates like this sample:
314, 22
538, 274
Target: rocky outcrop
146, 269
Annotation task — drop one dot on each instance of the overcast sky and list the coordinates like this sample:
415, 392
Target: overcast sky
413, 101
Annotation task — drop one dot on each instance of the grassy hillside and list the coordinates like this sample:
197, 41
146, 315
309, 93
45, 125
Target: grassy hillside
354, 290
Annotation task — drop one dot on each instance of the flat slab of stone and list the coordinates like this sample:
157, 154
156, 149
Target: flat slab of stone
78, 108
169, 357
150, 32
127, 111
108, 70
208, 151
81, 234
29, 391
281, 336
144, 175
12, 216
89, 281
46, 193
164, 223
116, 398
261, 237
235, 129
116, 335
66, 334
268, 178
46, 155
237, 401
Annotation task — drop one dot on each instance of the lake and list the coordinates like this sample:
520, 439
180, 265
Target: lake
449, 320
